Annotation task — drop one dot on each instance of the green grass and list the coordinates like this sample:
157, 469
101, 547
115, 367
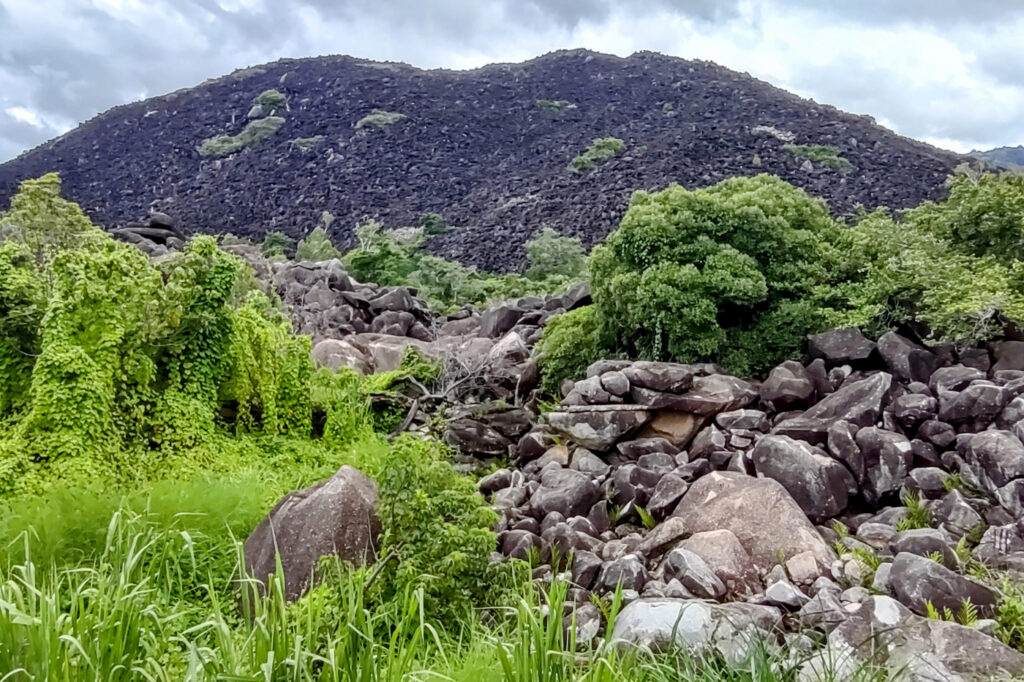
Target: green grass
307, 144
821, 154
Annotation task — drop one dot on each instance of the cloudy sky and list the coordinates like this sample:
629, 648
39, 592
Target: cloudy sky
947, 71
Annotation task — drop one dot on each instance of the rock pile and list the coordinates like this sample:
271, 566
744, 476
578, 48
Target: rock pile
801, 496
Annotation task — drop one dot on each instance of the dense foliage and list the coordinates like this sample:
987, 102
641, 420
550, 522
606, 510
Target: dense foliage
395, 257
740, 272
119, 373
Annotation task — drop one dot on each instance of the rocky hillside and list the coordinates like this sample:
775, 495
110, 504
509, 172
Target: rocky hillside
489, 149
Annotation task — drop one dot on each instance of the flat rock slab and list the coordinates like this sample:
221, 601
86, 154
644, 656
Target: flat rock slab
598, 428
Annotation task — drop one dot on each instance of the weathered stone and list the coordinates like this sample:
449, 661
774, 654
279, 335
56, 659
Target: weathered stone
924, 542
746, 419
472, 436
568, 492
520, 544
928, 482
859, 403
887, 460
723, 553
913, 408
884, 633
498, 321
585, 566
823, 610
634, 449
337, 353
616, 383
666, 495
818, 483
785, 594
733, 630
840, 346
597, 429
693, 573
979, 401
843, 446
917, 581
660, 376
956, 515
585, 461
906, 359
759, 512
955, 378
334, 517
1009, 354
939, 434
592, 392
627, 571
995, 457
787, 387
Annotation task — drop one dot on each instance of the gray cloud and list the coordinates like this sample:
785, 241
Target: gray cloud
63, 61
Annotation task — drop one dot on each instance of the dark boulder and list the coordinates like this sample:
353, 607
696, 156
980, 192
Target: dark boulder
335, 517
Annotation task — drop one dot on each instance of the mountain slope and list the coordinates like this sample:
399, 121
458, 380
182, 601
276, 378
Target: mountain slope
1004, 157
475, 146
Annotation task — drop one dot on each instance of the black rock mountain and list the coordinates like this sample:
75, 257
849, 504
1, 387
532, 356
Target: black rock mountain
488, 149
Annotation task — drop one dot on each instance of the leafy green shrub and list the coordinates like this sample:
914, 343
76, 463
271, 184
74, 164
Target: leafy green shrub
688, 270
433, 223
438, 527
569, 344
949, 269
254, 132
552, 254
822, 154
317, 246
600, 150
379, 119
276, 244
271, 100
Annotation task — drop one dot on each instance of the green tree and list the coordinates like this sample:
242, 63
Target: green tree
317, 246
686, 270
276, 244
552, 254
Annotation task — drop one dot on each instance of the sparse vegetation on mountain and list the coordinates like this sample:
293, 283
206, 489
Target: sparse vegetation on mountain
600, 150
821, 154
271, 100
255, 132
379, 119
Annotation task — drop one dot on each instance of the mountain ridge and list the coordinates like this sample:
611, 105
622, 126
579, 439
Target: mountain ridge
475, 146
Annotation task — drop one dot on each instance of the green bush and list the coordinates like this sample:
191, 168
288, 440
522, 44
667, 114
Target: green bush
276, 244
552, 254
433, 223
254, 132
686, 270
317, 246
569, 344
271, 100
822, 154
379, 119
600, 150
922, 269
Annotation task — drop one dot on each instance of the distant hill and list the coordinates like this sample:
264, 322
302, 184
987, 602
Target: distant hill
488, 149
1004, 157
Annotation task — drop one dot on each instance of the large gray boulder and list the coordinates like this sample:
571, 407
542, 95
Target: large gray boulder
733, 630
759, 512
722, 551
859, 403
887, 457
917, 581
995, 458
818, 483
840, 346
598, 428
666, 377
883, 633
906, 359
568, 492
788, 387
335, 517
